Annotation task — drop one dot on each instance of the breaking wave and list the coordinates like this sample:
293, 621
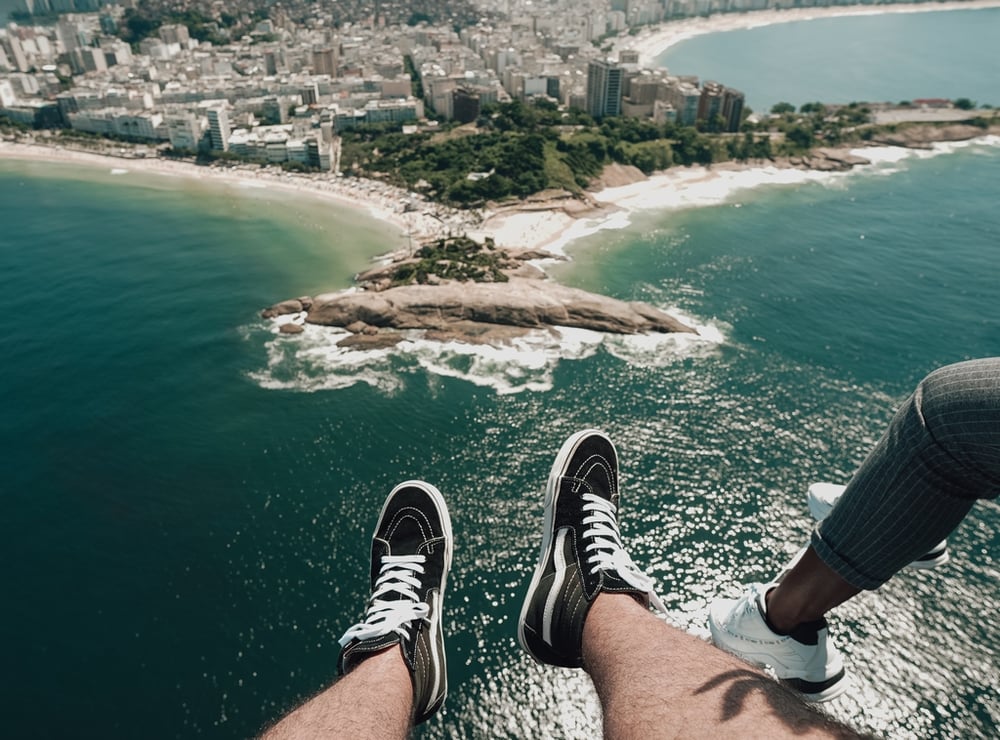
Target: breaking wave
311, 361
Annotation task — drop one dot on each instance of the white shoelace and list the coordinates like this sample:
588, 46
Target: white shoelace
397, 575
610, 554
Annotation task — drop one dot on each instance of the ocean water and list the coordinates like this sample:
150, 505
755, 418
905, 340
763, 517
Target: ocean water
892, 57
188, 496
7, 6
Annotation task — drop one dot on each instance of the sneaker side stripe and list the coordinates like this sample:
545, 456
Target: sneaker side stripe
555, 591
437, 658
820, 691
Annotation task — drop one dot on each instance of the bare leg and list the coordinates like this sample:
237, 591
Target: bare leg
656, 681
939, 455
807, 592
372, 702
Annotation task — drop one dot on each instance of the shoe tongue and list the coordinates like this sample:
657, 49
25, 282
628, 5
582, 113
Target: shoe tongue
578, 486
406, 536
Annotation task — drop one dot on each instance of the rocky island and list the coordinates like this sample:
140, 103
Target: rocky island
455, 289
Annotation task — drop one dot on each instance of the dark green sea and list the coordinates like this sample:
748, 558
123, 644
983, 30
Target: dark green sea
188, 497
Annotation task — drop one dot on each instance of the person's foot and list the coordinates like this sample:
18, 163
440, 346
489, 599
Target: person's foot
805, 660
822, 497
582, 553
411, 555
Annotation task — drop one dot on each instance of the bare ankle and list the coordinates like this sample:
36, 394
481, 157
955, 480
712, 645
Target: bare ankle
779, 617
807, 592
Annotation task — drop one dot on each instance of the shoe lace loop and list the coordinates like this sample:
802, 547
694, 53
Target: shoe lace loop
397, 575
610, 554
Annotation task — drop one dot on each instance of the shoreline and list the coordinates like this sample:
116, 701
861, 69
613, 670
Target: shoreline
404, 210
539, 223
536, 224
653, 41
682, 188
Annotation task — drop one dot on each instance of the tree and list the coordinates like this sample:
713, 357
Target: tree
779, 109
964, 104
800, 136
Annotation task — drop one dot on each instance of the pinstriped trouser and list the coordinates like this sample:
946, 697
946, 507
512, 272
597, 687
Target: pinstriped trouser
939, 455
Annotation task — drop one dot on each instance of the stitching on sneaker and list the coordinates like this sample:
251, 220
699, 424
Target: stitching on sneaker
422, 522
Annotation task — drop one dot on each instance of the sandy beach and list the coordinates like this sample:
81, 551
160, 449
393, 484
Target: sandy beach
653, 41
407, 211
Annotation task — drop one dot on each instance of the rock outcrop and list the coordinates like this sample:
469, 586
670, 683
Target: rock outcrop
520, 302
924, 136
823, 160
512, 298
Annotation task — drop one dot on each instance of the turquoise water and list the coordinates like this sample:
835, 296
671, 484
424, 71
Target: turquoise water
184, 544
894, 57
188, 498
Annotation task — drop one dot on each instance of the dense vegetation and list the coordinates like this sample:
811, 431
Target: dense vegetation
144, 21
453, 258
514, 149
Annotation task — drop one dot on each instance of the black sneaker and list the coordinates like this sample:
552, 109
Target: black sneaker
582, 553
411, 555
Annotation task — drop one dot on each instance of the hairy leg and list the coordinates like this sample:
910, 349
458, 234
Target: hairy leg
372, 702
657, 681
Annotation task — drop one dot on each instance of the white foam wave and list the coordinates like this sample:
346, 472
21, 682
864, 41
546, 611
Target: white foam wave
660, 350
311, 361
700, 187
883, 158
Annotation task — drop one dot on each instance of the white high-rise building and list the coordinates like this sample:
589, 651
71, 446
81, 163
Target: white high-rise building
7, 98
604, 88
16, 53
184, 131
218, 127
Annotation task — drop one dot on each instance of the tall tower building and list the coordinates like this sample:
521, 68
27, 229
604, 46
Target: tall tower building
17, 55
604, 88
174, 34
270, 62
325, 60
732, 109
218, 128
710, 104
7, 98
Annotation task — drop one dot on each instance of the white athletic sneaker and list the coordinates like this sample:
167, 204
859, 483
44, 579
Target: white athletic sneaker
822, 497
805, 660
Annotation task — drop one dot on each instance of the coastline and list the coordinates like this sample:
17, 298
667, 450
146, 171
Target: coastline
651, 42
548, 224
539, 222
680, 188
406, 211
